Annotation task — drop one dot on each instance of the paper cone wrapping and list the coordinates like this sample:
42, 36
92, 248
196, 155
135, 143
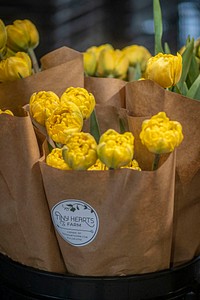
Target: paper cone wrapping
145, 98
107, 91
127, 228
27, 235
61, 69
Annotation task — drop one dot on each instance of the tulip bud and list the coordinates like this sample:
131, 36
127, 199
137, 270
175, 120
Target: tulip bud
112, 63
160, 135
82, 98
15, 67
64, 120
22, 35
90, 63
137, 54
42, 104
55, 159
164, 69
79, 151
114, 149
3, 39
96, 50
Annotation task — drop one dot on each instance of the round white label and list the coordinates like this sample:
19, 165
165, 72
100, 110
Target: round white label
76, 221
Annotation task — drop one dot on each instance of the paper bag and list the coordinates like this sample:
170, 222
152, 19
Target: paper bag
107, 91
27, 234
115, 222
60, 69
146, 98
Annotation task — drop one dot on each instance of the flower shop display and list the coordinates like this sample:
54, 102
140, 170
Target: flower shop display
102, 155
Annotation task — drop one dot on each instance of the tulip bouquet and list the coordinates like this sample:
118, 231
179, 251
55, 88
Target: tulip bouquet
94, 141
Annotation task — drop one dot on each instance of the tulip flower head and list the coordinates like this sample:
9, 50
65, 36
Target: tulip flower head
22, 35
137, 54
3, 39
164, 69
98, 166
82, 98
90, 63
55, 159
64, 120
42, 104
114, 149
80, 151
133, 165
15, 67
161, 135
112, 63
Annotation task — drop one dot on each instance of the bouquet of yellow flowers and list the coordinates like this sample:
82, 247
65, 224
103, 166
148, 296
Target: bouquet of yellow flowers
111, 155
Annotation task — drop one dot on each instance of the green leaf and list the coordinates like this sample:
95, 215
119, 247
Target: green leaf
186, 61
167, 49
134, 73
193, 71
158, 28
94, 126
194, 91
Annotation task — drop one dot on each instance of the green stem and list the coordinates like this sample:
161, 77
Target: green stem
156, 162
34, 60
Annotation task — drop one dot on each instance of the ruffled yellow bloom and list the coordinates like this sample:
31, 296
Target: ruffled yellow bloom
133, 165
90, 63
114, 149
137, 54
15, 67
112, 63
160, 135
98, 166
55, 159
64, 120
80, 151
3, 39
22, 35
82, 98
6, 111
42, 104
164, 69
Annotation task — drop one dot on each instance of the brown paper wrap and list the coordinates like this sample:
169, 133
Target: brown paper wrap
107, 91
145, 98
135, 212
61, 69
27, 235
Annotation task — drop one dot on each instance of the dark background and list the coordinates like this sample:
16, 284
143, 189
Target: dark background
79, 24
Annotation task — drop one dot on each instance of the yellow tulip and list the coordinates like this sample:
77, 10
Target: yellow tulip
15, 67
98, 166
90, 63
42, 104
164, 69
133, 165
112, 63
22, 35
64, 120
6, 111
137, 54
82, 98
161, 135
114, 149
55, 159
96, 50
80, 151
3, 39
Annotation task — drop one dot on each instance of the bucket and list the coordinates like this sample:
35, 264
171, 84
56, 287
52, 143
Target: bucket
19, 282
